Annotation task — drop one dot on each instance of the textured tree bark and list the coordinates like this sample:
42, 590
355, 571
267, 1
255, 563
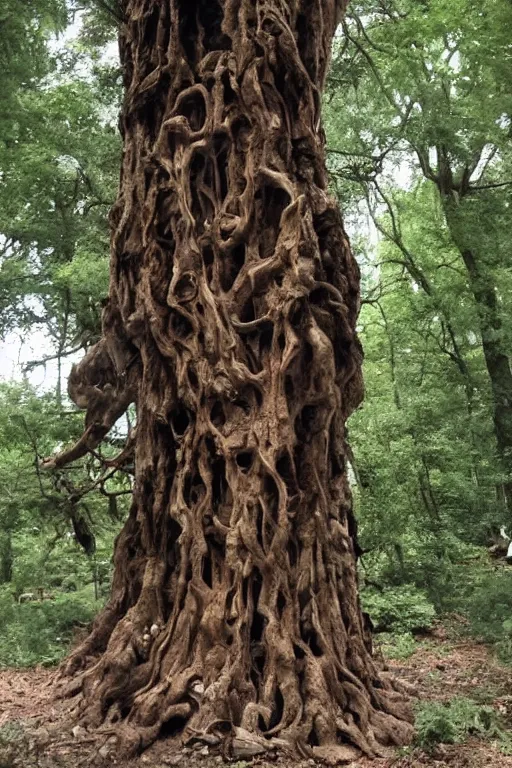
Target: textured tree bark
231, 323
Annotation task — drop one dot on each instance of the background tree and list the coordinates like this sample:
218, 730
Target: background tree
425, 97
58, 157
56, 190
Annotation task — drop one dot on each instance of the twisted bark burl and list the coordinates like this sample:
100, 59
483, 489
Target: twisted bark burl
231, 324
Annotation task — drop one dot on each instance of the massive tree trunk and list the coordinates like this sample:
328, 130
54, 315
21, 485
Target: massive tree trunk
231, 323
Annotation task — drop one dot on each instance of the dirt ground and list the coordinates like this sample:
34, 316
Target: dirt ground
35, 731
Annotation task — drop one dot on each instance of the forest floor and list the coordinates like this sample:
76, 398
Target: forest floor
34, 731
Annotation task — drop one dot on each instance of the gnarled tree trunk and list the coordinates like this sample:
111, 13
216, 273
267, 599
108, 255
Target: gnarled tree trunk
231, 319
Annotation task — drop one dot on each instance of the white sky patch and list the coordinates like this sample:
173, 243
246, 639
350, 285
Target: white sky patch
18, 350
61, 41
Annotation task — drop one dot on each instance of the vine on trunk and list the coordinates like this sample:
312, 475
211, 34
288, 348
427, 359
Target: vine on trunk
231, 323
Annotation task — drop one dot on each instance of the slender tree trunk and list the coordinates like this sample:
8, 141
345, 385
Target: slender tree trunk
497, 363
6, 556
231, 318
496, 356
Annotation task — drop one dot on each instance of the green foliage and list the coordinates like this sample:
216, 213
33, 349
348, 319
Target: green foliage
40, 632
398, 609
13, 740
25, 29
10, 732
489, 607
36, 507
416, 103
59, 166
453, 722
397, 645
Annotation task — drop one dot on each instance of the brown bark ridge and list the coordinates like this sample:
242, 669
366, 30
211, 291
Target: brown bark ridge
231, 321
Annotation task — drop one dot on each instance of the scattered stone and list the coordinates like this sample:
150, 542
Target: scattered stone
155, 630
108, 747
173, 759
104, 751
79, 732
42, 736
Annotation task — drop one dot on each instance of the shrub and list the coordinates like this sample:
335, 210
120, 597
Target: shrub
397, 646
452, 723
490, 611
40, 632
398, 609
68, 584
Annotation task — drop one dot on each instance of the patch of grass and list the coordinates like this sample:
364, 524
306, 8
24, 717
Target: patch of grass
13, 741
435, 676
398, 609
452, 723
40, 632
397, 646
485, 694
11, 732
